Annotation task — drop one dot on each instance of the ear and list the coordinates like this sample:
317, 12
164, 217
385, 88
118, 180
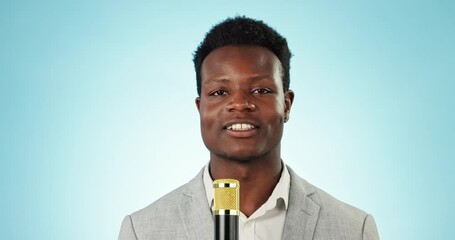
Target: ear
288, 100
198, 102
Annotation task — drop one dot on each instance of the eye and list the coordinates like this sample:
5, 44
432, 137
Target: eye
218, 93
262, 91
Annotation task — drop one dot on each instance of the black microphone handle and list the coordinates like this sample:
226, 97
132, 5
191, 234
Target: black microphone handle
226, 227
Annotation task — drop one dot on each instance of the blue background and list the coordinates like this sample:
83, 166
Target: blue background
98, 116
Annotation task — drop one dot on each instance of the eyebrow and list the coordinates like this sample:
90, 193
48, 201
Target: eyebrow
255, 78
220, 80
262, 77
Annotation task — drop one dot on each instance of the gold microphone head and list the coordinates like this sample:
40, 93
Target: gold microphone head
227, 197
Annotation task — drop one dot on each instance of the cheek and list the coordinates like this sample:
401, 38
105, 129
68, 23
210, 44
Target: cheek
277, 117
279, 110
207, 117
275, 120
205, 128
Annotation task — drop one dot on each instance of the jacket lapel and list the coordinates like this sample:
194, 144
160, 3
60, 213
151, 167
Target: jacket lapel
195, 211
301, 217
302, 214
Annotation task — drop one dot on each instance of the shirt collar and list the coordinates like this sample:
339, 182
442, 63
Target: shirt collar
208, 184
281, 190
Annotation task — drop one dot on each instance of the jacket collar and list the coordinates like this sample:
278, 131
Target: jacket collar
195, 212
301, 216
303, 212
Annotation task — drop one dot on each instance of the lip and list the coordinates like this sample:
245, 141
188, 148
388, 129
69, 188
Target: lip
241, 133
234, 121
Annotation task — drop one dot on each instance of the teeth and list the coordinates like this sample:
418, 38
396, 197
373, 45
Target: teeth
240, 127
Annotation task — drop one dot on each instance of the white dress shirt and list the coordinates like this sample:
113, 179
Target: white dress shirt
267, 222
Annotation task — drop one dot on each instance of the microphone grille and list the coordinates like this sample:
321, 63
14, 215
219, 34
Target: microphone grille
227, 192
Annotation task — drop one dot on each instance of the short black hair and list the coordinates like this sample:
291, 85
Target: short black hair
242, 30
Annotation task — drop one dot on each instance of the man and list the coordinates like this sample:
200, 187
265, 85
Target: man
242, 72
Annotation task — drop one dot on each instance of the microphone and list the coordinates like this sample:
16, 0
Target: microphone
226, 209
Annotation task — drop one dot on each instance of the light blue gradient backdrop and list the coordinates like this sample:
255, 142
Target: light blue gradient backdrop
98, 117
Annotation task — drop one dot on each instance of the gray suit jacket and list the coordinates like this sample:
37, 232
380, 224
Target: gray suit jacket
312, 214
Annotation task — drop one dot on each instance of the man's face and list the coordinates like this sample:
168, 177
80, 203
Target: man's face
242, 106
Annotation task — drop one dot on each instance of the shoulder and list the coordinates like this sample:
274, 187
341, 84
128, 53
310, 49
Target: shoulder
162, 219
335, 212
328, 204
334, 216
164, 206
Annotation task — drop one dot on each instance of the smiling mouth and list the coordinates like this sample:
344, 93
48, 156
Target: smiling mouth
240, 127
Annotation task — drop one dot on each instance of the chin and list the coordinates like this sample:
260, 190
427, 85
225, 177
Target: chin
241, 157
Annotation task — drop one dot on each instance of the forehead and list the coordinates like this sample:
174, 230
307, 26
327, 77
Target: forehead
240, 59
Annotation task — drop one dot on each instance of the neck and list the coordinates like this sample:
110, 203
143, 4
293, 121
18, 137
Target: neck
258, 177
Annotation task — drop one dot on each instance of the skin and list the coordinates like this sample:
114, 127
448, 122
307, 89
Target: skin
242, 84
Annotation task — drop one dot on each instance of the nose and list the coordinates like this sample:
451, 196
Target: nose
239, 102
